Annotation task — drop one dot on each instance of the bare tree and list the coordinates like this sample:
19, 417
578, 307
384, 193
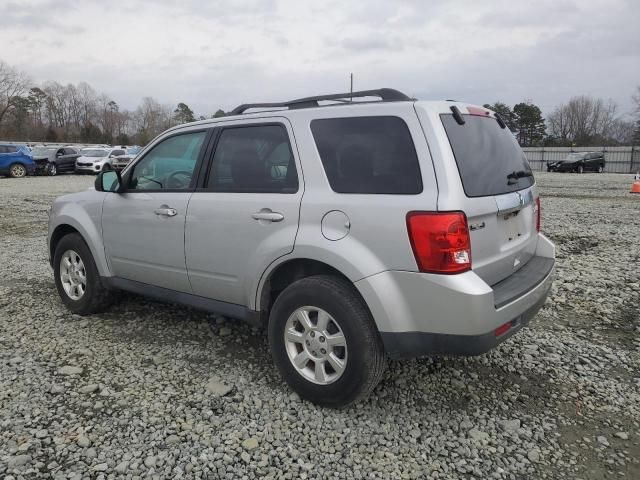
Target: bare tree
583, 120
152, 118
13, 84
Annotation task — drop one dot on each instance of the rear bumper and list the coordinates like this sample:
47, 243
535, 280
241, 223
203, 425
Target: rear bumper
421, 314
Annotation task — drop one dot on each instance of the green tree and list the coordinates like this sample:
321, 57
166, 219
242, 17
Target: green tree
505, 113
183, 114
530, 127
219, 113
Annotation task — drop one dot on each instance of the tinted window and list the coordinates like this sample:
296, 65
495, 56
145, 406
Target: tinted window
3, 149
10, 149
254, 159
489, 159
116, 153
169, 165
368, 155
70, 151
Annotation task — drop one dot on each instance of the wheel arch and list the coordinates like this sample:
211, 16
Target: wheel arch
278, 277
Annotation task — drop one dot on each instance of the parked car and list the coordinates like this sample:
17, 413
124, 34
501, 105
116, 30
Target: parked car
579, 162
15, 161
121, 161
353, 232
54, 160
93, 160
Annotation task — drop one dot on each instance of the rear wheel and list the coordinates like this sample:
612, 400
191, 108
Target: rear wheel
324, 341
52, 170
77, 278
17, 170
600, 168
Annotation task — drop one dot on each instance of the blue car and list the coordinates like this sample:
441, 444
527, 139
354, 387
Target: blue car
16, 161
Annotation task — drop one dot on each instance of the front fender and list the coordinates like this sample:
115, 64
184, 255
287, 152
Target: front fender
85, 217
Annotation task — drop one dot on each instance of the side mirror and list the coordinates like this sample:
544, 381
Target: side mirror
109, 181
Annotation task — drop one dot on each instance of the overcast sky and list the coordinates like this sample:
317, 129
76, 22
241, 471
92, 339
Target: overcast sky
213, 53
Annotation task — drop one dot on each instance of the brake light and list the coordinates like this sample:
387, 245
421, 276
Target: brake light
537, 214
440, 241
480, 112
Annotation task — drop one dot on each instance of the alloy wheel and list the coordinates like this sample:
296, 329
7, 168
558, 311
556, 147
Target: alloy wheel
316, 345
73, 275
18, 171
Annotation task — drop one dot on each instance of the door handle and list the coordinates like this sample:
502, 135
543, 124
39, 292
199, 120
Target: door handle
268, 215
166, 211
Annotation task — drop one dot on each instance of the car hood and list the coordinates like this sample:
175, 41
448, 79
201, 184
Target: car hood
92, 159
40, 157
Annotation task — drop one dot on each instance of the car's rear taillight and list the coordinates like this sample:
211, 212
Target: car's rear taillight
440, 241
537, 214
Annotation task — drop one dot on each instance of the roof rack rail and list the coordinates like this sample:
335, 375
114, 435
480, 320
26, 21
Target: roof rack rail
385, 95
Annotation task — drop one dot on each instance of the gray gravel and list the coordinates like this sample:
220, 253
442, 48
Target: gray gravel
156, 391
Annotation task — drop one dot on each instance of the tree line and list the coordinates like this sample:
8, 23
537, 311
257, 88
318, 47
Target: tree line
52, 112
582, 121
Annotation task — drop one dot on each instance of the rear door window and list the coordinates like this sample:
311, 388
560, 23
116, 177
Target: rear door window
254, 159
489, 159
368, 155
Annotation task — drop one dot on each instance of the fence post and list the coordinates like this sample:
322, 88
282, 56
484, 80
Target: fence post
542, 166
632, 159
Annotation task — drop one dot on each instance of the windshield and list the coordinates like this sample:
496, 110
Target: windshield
95, 153
133, 150
489, 159
42, 151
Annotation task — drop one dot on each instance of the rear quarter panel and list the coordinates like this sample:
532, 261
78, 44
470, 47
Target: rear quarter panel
377, 238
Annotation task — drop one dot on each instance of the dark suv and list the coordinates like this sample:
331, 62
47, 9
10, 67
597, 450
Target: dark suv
54, 160
579, 162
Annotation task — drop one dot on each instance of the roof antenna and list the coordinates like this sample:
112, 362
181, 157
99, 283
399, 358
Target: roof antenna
351, 89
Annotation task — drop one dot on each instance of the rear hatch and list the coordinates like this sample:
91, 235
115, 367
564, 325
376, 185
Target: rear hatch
498, 193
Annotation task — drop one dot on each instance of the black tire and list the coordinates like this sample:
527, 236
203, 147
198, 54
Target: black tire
17, 170
96, 297
52, 170
580, 169
366, 360
601, 169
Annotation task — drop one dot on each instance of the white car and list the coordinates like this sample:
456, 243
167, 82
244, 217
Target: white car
93, 160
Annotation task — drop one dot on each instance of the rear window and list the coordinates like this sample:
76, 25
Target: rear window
368, 155
489, 159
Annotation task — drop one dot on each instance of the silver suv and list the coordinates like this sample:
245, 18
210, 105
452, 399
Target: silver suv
353, 231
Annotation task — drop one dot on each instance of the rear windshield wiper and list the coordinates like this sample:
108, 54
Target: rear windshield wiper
515, 175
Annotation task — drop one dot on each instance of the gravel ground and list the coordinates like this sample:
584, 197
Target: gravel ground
156, 391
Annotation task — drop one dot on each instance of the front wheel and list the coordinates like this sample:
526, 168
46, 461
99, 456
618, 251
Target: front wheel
324, 341
600, 168
17, 170
52, 170
77, 278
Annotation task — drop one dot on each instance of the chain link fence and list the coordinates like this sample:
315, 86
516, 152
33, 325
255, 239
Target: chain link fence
617, 159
